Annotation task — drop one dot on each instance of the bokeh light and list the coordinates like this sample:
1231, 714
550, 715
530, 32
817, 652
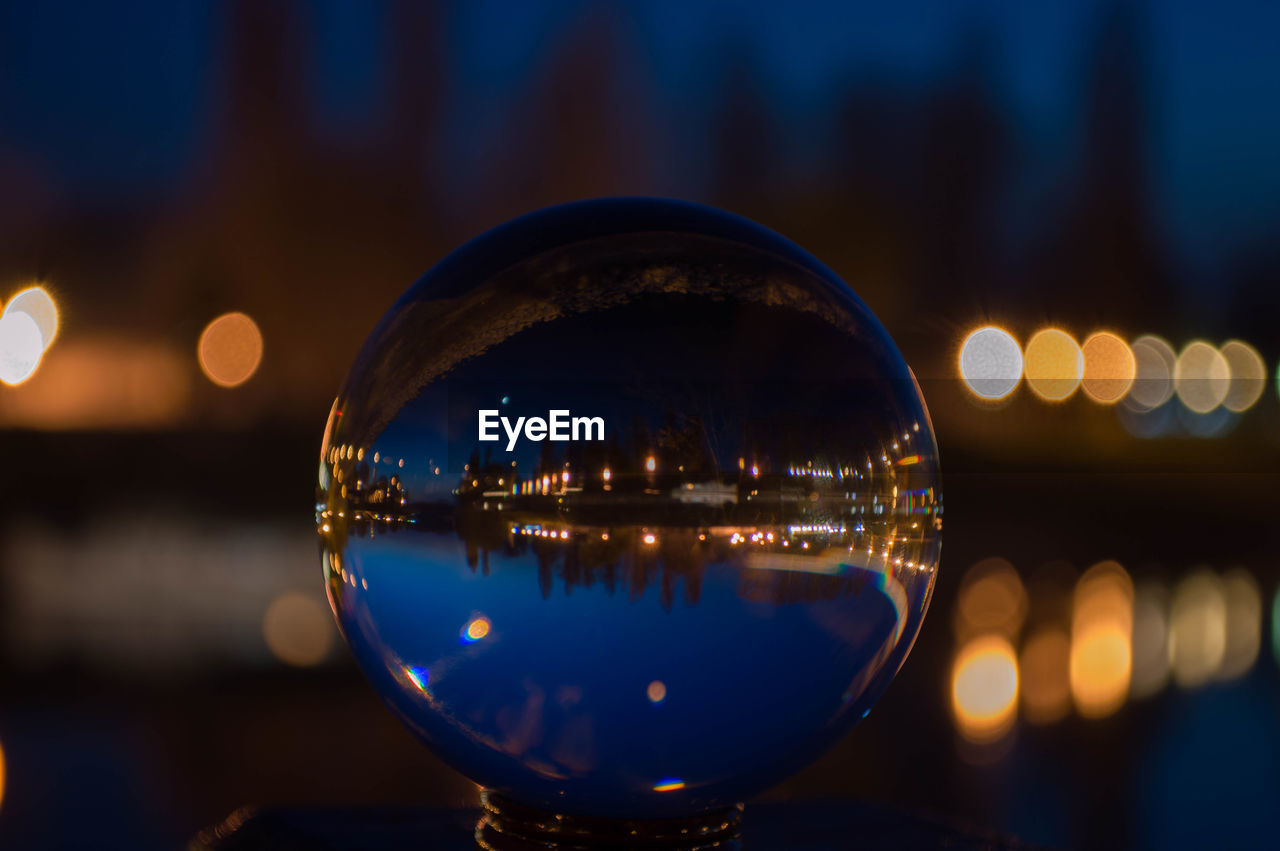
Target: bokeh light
1248, 375
230, 349
1043, 668
1150, 638
992, 599
984, 688
298, 629
476, 629
1109, 368
1275, 627
1053, 364
1201, 377
1197, 629
656, 691
1101, 634
1244, 623
21, 347
1154, 360
991, 363
38, 304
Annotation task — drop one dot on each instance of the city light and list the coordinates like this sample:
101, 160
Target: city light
1248, 375
656, 691
1201, 377
669, 784
991, 600
298, 629
1153, 383
984, 688
1243, 624
1109, 368
476, 629
1053, 364
1101, 633
1275, 627
1044, 666
230, 349
1197, 629
1150, 639
991, 363
651, 464
21, 347
38, 304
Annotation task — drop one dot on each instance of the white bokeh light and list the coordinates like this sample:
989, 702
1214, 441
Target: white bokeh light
991, 362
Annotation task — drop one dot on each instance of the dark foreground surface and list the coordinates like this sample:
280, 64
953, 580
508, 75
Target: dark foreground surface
790, 825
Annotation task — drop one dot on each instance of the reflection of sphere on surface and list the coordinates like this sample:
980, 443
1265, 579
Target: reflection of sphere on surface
670, 610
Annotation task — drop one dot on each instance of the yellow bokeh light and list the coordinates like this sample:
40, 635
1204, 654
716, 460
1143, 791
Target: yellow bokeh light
1197, 629
991, 362
1153, 382
230, 349
1150, 639
1101, 661
1248, 375
1109, 368
21, 347
991, 599
1053, 364
1201, 377
38, 304
1244, 623
478, 628
1043, 666
984, 688
656, 692
298, 629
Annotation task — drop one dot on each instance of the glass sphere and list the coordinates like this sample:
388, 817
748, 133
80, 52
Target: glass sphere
629, 508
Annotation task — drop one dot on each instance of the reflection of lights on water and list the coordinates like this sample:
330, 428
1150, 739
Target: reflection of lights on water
21, 347
1101, 632
984, 688
992, 599
991, 363
1248, 375
1197, 629
656, 692
1201, 377
1053, 364
1244, 624
298, 629
1043, 671
1109, 368
1150, 639
230, 349
669, 784
418, 676
476, 629
1153, 382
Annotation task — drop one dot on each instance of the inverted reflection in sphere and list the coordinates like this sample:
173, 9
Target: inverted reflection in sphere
672, 609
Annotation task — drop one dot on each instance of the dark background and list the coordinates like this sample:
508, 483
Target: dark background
1096, 164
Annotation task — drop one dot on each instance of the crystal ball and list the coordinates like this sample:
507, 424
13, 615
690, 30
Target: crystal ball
629, 508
